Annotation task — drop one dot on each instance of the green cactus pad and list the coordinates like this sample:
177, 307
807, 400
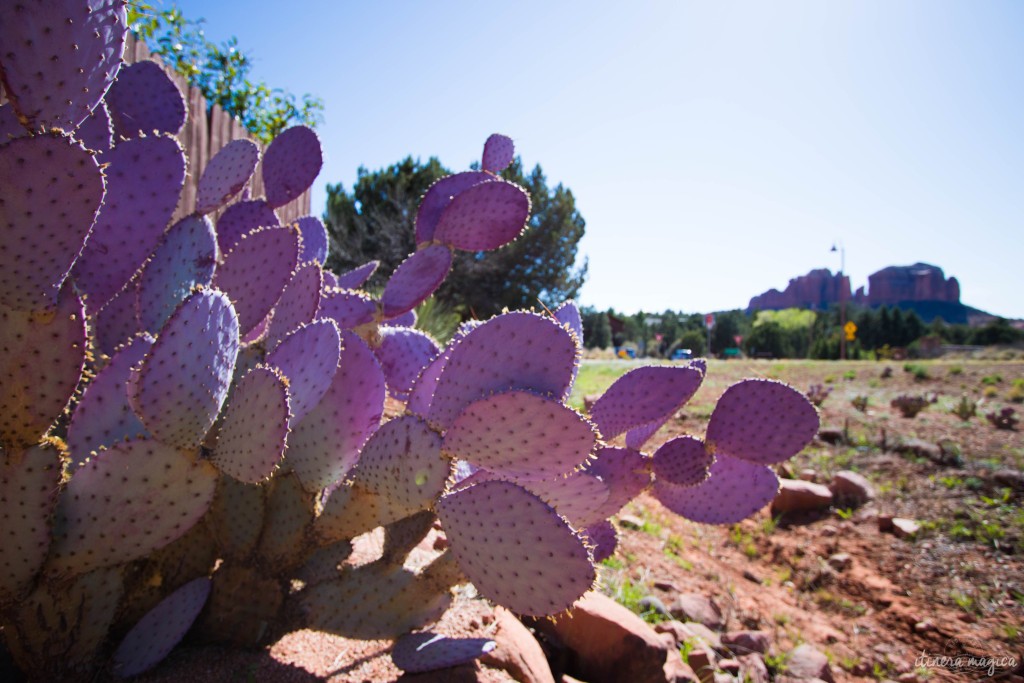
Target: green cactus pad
125, 503
426, 651
288, 524
642, 396
185, 257
511, 351
144, 180
103, 416
161, 629
226, 174
580, 497
683, 461
144, 99
181, 385
348, 308
515, 548
256, 270
325, 445
236, 517
484, 217
298, 303
29, 483
291, 164
763, 421
734, 490
45, 215
251, 439
59, 58
42, 361
521, 435
626, 472
402, 463
308, 357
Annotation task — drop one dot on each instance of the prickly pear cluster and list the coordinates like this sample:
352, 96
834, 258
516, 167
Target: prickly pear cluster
192, 415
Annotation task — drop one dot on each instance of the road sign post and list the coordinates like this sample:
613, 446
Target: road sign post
709, 322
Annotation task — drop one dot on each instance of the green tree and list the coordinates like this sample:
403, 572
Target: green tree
691, 339
728, 325
768, 338
597, 331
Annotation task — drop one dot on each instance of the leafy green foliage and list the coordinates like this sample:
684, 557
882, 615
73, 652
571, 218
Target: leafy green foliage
221, 72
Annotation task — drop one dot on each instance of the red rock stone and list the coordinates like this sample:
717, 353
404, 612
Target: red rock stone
807, 662
745, 642
851, 487
801, 496
753, 669
517, 651
698, 608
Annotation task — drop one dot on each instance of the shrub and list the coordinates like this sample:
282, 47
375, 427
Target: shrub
817, 393
860, 403
1004, 419
966, 408
910, 406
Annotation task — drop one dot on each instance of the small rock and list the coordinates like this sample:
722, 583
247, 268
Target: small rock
729, 666
828, 531
830, 435
698, 634
751, 576
805, 661
885, 522
909, 677
840, 561
678, 671
631, 522
801, 496
824, 575
924, 627
1013, 479
905, 528
703, 661
664, 585
517, 651
808, 474
649, 604
851, 487
699, 608
753, 669
782, 469
746, 642
920, 449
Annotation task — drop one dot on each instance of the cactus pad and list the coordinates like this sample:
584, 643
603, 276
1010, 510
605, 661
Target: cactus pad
52, 189
511, 351
407, 319
642, 396
161, 629
125, 503
144, 99
402, 463
117, 322
357, 277
59, 58
236, 517
298, 304
42, 361
426, 651
255, 272
521, 435
499, 150
515, 548
426, 384
569, 315
579, 497
626, 472
403, 353
314, 240
439, 196
735, 490
484, 217
96, 132
682, 461
603, 539
103, 416
348, 308
242, 605
325, 445
181, 385
291, 164
288, 524
29, 482
762, 421
308, 358
416, 279
226, 174
251, 439
144, 179
242, 218
10, 126
186, 257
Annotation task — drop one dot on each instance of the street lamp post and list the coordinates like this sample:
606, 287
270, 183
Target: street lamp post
842, 300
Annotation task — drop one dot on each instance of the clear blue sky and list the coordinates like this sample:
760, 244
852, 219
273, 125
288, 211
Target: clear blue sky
715, 149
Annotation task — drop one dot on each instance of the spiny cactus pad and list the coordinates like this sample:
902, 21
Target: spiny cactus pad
499, 150
10, 126
626, 472
29, 482
127, 502
348, 308
236, 517
642, 396
682, 461
484, 217
357, 277
251, 439
117, 322
144, 180
96, 132
403, 353
242, 218
53, 189
426, 651
181, 385
256, 270
579, 497
602, 538
325, 445
226, 174
439, 196
402, 463
416, 279
298, 304
42, 361
103, 416
323, 564
735, 490
763, 421
521, 435
242, 604
186, 257
291, 164
308, 358
161, 629
511, 351
569, 314
144, 99
287, 526
314, 240
515, 548
60, 57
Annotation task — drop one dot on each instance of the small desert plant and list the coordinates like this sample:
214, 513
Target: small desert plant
909, 406
817, 393
919, 372
990, 392
956, 370
886, 372
1004, 419
966, 408
850, 375
991, 380
860, 403
1016, 393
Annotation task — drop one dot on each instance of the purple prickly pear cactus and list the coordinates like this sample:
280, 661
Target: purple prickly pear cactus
426, 651
144, 99
291, 164
308, 359
484, 217
403, 353
298, 304
357, 277
314, 240
252, 437
226, 174
416, 279
499, 151
256, 270
734, 490
242, 218
185, 258
439, 197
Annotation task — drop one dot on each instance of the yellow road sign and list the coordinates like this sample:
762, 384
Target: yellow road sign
850, 328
